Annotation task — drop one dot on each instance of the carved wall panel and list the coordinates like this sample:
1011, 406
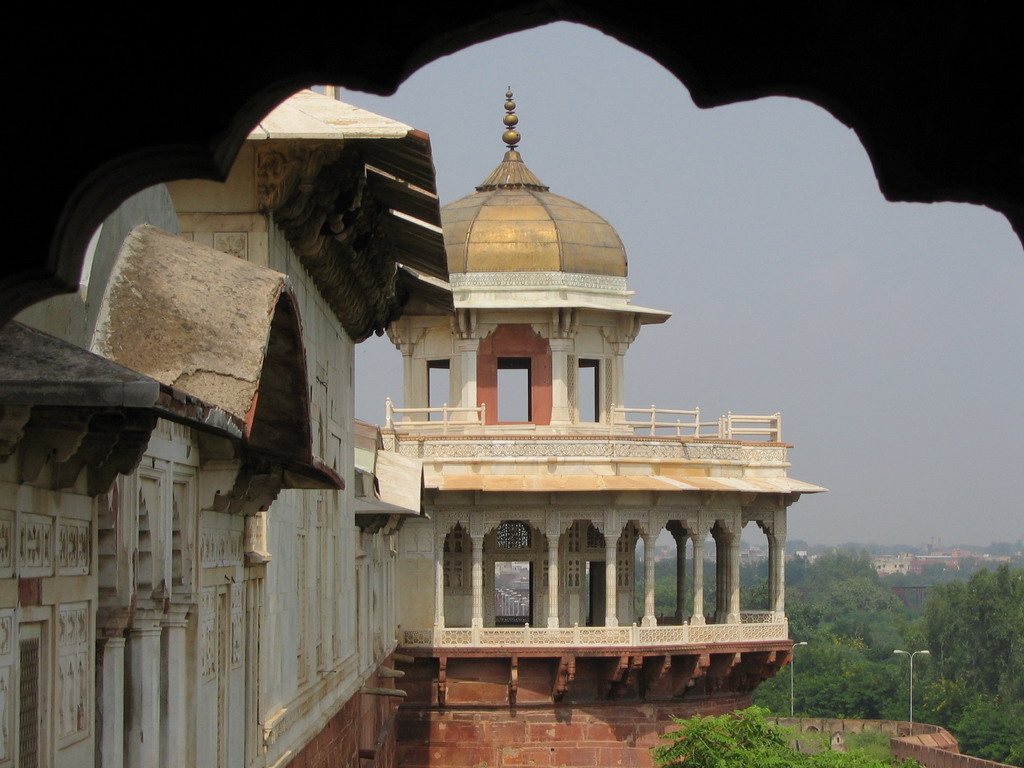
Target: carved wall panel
208, 646
221, 547
6, 543
572, 388
74, 672
183, 531
149, 522
233, 243
237, 625
35, 545
572, 573
74, 547
7, 704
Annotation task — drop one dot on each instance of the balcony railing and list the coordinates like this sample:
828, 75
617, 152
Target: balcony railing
668, 422
540, 637
652, 422
472, 417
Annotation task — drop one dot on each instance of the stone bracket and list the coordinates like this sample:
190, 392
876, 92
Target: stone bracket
442, 680
564, 675
513, 680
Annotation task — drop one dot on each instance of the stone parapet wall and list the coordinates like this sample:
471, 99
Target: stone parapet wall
610, 734
931, 745
936, 750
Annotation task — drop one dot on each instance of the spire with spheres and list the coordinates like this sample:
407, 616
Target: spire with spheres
511, 120
513, 223
512, 173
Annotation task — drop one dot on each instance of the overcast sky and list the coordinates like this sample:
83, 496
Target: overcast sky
887, 334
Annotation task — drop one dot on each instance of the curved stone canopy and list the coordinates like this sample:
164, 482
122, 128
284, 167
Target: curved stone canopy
513, 223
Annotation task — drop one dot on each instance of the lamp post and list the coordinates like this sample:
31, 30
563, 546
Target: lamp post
792, 677
912, 655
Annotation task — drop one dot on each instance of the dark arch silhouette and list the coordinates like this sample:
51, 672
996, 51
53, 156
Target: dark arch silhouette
932, 90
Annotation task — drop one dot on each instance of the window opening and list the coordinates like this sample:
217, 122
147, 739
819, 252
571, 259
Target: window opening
515, 401
588, 385
513, 593
595, 593
29, 703
513, 534
438, 385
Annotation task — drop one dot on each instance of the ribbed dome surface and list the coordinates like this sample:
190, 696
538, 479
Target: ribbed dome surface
512, 223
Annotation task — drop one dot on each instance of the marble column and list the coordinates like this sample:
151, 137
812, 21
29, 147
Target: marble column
777, 566
721, 539
611, 599
553, 582
697, 617
732, 574
776, 577
174, 729
680, 538
111, 716
649, 620
415, 380
467, 349
478, 581
560, 412
142, 735
439, 582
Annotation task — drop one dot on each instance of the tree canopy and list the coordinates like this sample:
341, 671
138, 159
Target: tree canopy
745, 739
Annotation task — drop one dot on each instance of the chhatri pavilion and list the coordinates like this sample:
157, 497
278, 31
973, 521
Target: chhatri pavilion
539, 483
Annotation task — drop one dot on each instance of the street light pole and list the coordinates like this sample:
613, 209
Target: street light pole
912, 655
792, 676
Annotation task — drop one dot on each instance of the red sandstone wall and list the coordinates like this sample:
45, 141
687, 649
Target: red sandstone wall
360, 735
604, 735
937, 750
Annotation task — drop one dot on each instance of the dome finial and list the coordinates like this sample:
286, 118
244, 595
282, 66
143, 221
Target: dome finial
511, 136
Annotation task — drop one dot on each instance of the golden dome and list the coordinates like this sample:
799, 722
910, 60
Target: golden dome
513, 223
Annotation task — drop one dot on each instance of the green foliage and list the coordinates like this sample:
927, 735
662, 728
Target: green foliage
874, 744
992, 729
972, 683
975, 632
745, 739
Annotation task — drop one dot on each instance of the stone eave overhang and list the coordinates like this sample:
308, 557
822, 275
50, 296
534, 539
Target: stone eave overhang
354, 194
220, 329
603, 437
548, 483
78, 409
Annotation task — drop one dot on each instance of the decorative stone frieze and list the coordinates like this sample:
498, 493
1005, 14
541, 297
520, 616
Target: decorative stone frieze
220, 547
555, 280
471, 447
526, 637
705, 451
